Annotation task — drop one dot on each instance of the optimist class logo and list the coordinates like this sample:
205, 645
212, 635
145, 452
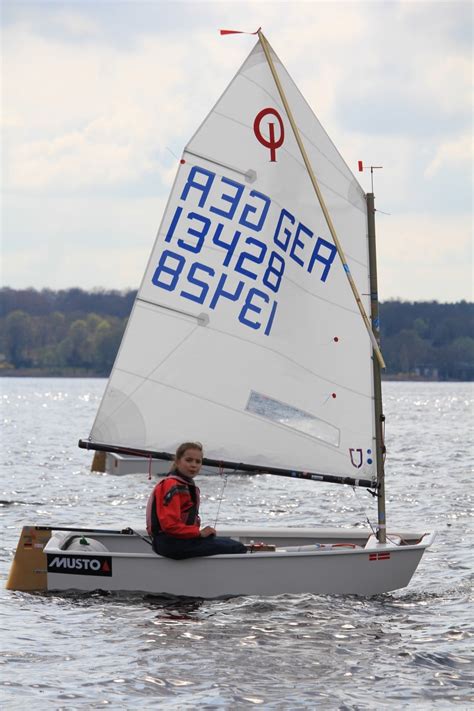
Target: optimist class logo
272, 143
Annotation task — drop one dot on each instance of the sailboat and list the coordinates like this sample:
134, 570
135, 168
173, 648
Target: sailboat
254, 331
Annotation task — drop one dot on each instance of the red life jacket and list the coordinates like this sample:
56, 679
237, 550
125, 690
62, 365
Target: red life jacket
173, 507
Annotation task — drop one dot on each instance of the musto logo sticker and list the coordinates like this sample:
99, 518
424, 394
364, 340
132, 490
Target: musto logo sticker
80, 565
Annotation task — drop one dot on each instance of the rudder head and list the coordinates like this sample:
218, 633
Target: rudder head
28, 570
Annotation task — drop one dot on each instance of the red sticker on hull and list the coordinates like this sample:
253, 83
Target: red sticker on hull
379, 556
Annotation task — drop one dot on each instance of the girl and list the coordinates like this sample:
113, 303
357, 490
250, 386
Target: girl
173, 512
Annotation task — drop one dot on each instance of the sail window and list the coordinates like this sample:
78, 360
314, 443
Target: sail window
289, 416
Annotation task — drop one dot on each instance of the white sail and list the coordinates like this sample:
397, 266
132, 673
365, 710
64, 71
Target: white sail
245, 334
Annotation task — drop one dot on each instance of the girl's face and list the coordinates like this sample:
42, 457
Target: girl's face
190, 462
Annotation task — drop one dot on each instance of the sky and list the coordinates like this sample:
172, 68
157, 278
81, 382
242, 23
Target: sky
100, 97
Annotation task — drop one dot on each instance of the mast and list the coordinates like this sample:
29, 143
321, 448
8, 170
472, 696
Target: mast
379, 416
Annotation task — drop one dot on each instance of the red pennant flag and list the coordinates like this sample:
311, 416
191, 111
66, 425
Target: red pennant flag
238, 32
361, 166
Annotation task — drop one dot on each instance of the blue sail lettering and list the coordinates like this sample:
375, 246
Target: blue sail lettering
232, 199
203, 187
283, 243
225, 294
297, 243
249, 306
198, 298
253, 209
326, 260
165, 266
174, 222
198, 234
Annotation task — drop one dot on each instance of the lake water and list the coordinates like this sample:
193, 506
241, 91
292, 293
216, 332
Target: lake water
405, 650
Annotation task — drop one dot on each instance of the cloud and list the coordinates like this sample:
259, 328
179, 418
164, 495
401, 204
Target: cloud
90, 117
105, 151
409, 82
456, 153
78, 240
75, 24
421, 256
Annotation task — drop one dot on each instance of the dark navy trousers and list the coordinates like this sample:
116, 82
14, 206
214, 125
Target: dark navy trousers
179, 548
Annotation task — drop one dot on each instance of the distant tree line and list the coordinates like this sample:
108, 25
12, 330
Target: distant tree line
62, 332
77, 332
428, 339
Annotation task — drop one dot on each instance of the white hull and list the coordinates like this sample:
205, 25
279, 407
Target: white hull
129, 564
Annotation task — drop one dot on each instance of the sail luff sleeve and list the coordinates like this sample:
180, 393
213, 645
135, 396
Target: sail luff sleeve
327, 216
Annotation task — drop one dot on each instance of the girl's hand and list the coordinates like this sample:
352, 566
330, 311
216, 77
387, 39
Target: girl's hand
207, 531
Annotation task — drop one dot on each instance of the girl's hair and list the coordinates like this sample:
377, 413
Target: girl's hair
183, 447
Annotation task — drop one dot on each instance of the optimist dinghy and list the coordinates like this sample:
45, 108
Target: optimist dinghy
289, 560
250, 334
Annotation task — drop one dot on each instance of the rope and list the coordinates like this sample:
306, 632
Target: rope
382, 443
371, 527
221, 473
135, 533
365, 512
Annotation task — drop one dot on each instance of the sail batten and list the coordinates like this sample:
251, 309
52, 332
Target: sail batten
197, 317
234, 169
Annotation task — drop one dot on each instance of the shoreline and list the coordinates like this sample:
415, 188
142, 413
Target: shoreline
59, 373
81, 373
